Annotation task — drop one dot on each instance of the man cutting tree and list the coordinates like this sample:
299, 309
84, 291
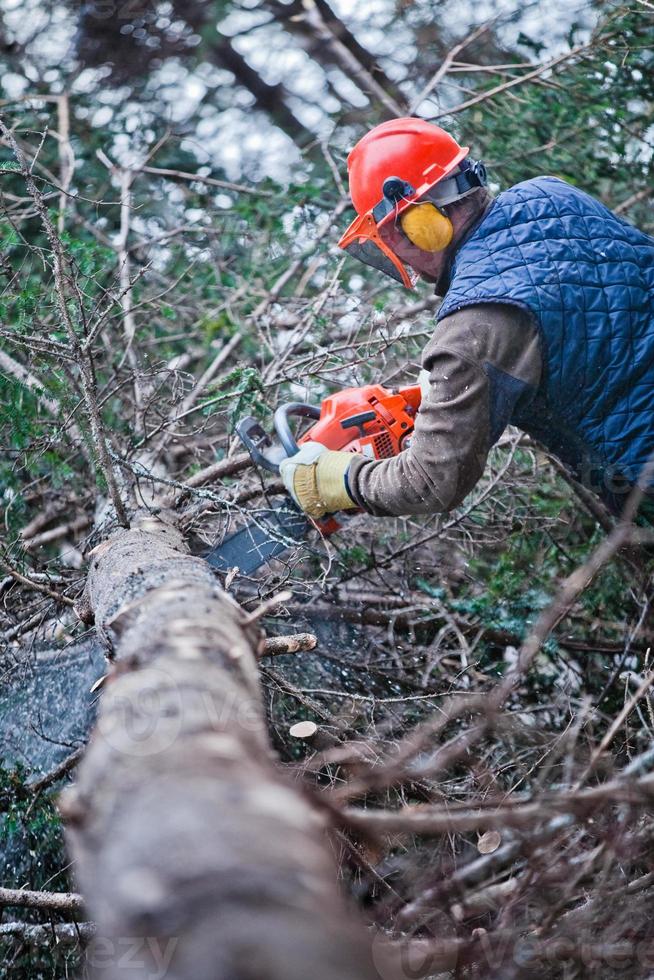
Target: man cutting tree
547, 323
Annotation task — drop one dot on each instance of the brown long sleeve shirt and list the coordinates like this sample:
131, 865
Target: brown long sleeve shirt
483, 362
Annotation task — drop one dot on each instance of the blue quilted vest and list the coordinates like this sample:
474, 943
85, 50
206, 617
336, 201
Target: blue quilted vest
587, 277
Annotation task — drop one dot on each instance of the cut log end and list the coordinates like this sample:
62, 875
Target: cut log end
303, 729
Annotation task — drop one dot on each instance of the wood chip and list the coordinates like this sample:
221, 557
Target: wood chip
489, 842
98, 684
303, 729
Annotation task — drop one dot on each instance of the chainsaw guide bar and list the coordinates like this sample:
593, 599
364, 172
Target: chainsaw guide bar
274, 532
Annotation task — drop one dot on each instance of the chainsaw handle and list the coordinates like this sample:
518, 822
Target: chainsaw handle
283, 426
258, 443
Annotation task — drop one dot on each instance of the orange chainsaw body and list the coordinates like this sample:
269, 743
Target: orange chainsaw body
374, 421
371, 420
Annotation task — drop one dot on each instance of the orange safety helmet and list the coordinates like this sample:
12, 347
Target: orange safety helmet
394, 166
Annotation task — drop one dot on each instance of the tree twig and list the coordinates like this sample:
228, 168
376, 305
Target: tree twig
50, 901
59, 933
520, 80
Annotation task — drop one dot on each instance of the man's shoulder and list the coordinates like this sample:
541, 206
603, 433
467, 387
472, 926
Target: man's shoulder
541, 205
541, 183
532, 200
543, 186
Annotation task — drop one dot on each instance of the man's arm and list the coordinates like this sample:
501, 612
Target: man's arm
482, 361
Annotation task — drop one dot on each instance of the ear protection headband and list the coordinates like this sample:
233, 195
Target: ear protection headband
424, 223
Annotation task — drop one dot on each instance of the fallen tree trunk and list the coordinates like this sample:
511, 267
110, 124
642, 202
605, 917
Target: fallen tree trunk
184, 832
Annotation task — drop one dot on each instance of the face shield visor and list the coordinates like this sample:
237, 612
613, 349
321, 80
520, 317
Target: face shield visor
363, 241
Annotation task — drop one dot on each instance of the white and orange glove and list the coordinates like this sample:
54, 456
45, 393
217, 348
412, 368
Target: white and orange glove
316, 479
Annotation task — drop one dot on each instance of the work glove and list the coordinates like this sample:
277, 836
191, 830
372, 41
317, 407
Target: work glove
315, 479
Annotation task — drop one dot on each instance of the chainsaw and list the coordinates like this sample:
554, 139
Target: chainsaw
374, 421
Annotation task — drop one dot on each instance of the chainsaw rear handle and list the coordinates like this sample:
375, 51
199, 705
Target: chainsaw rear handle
283, 427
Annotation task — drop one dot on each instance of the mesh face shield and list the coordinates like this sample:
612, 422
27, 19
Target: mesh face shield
368, 253
362, 241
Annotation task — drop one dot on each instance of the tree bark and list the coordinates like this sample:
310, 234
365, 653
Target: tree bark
185, 834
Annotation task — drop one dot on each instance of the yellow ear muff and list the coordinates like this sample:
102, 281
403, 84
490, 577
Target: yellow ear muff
427, 227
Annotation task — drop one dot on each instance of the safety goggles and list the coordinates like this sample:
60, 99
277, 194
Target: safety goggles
364, 238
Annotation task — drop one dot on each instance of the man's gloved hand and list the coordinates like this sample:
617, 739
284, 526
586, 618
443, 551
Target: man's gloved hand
315, 478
